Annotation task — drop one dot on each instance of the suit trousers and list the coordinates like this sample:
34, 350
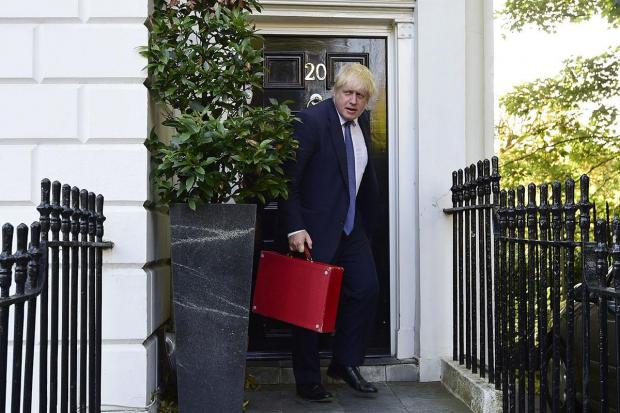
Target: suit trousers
356, 311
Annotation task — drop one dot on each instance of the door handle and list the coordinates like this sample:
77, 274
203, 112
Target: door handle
314, 99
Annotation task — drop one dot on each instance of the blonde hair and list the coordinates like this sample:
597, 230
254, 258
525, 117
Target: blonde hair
356, 76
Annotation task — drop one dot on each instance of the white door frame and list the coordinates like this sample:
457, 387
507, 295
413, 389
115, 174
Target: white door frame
394, 21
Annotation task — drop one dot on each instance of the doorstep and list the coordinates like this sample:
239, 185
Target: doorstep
385, 369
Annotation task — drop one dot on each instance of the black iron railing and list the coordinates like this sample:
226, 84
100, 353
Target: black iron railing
69, 272
533, 307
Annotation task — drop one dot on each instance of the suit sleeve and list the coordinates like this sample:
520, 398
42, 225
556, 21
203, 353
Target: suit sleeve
305, 134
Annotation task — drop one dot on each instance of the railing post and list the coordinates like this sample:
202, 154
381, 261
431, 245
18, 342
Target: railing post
64, 356
556, 212
460, 193
569, 213
503, 295
55, 226
44, 209
511, 295
455, 253
584, 224
92, 348
75, 230
83, 297
468, 354
472, 243
99, 285
488, 269
615, 252
6, 272
481, 267
601, 271
32, 283
521, 280
21, 258
542, 292
495, 178
532, 232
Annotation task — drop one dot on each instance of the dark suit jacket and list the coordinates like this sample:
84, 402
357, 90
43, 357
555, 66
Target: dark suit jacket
318, 191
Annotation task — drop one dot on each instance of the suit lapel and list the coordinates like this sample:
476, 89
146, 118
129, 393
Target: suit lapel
337, 139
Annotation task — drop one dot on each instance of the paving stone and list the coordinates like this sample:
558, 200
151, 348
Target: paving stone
403, 397
265, 399
436, 405
287, 376
402, 372
264, 375
427, 390
373, 374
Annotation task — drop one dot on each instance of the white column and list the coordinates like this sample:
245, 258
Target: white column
406, 200
489, 92
455, 128
479, 72
442, 144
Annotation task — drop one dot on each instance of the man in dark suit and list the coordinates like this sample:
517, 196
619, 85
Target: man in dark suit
332, 198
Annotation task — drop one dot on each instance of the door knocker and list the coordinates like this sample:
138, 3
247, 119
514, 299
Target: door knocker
314, 99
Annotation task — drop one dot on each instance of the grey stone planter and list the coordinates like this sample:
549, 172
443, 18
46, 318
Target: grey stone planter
212, 251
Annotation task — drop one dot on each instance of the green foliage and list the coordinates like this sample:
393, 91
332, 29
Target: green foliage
561, 127
566, 125
546, 14
203, 66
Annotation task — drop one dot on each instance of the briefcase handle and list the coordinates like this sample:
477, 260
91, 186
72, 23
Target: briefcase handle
307, 253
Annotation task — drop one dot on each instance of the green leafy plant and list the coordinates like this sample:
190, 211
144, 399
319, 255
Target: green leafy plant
546, 14
561, 127
568, 124
203, 67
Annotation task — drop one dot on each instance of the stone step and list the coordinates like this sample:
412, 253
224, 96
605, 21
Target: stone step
477, 393
374, 370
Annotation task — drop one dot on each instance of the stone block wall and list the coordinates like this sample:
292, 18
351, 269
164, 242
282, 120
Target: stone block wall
73, 108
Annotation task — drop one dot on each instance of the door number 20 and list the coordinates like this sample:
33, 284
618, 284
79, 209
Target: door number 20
318, 72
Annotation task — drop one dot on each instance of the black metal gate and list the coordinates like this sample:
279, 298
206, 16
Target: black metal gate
536, 303
69, 272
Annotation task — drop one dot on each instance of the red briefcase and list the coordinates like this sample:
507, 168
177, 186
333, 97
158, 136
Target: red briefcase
297, 291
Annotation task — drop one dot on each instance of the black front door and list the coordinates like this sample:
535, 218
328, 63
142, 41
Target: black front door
302, 70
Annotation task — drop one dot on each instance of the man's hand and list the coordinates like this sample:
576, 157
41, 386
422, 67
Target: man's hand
296, 241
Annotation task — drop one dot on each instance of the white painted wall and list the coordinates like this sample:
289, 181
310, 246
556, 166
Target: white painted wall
455, 127
73, 109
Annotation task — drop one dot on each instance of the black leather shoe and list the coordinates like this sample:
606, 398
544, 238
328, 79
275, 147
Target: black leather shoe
352, 376
314, 393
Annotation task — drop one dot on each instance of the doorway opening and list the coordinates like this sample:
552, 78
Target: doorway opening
301, 70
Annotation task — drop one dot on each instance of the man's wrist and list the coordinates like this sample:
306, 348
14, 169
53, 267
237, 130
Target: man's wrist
290, 234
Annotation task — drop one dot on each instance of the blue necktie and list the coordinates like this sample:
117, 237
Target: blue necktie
348, 144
